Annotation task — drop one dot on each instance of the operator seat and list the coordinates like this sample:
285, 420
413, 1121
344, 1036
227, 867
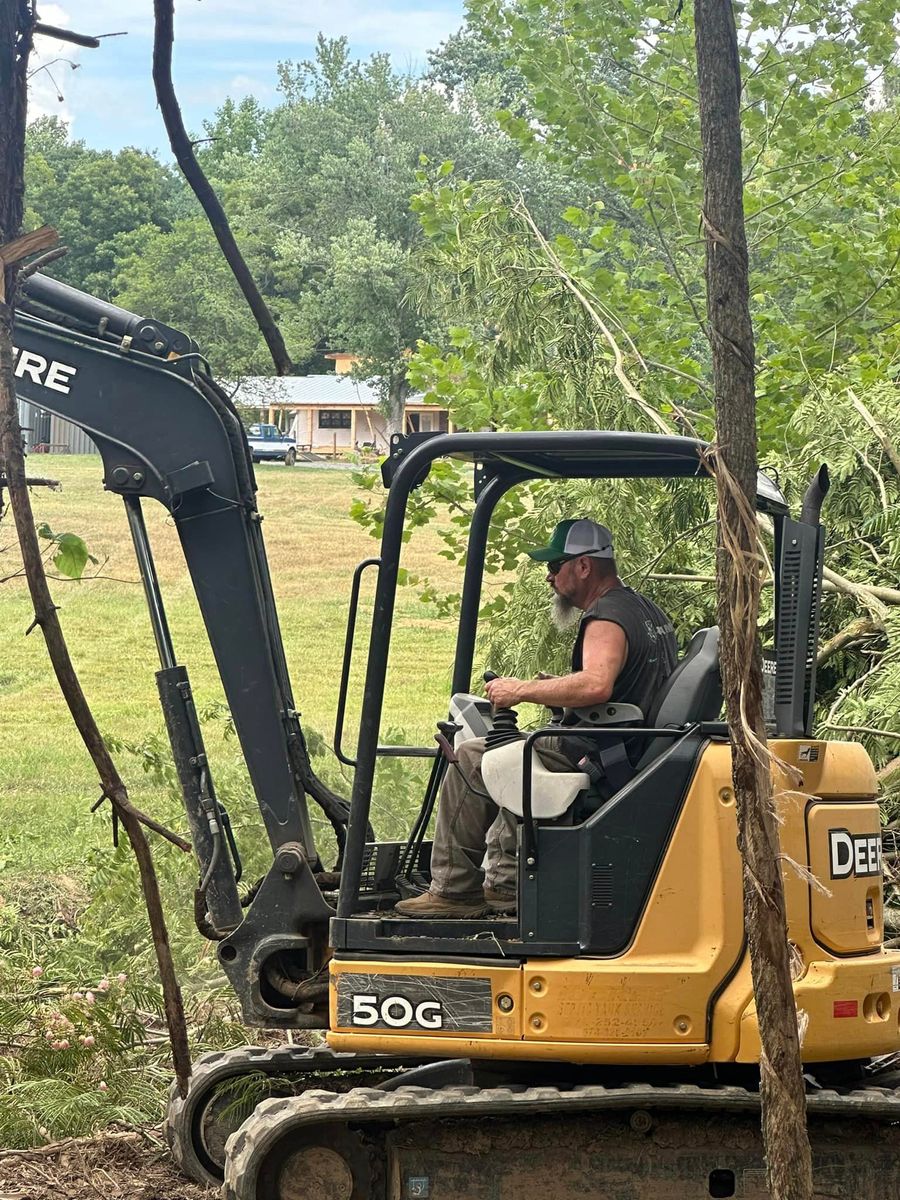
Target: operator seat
692, 693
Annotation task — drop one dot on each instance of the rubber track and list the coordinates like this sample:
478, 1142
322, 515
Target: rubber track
247, 1149
216, 1067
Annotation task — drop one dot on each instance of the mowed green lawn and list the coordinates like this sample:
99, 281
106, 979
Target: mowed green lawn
47, 783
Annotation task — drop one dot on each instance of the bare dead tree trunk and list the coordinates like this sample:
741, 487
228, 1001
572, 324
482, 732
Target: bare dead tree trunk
182, 148
788, 1160
16, 26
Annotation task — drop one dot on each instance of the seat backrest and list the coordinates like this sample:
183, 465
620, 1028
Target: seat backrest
693, 692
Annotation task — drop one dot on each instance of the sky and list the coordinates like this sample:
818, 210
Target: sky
222, 48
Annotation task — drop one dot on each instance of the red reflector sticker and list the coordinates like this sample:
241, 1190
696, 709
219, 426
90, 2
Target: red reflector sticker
846, 1008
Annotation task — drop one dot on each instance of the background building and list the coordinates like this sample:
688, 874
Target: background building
328, 413
45, 432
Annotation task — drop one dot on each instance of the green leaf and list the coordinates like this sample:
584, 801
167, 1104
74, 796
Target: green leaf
72, 556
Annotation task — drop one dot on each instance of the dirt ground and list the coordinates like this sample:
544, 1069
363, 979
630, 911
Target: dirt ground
109, 1167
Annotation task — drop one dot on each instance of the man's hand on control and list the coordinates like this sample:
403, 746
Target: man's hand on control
504, 691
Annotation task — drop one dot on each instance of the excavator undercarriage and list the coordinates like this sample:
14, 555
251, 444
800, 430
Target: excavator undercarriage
600, 1041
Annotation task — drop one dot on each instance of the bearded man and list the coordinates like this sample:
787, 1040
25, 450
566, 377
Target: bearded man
624, 651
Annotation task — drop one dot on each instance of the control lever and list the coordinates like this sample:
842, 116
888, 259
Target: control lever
506, 722
447, 731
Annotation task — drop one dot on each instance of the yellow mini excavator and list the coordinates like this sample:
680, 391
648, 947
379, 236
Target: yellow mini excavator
603, 1041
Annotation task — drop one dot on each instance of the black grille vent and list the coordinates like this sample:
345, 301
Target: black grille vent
788, 620
601, 885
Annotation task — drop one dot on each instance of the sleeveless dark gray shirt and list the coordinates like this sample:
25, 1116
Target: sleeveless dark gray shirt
652, 649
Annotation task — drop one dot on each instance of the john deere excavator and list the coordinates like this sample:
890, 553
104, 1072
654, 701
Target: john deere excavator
603, 1042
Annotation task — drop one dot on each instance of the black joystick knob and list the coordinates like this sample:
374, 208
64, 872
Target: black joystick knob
506, 723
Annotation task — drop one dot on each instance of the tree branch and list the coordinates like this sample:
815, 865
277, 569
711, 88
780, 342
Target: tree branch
870, 595
175, 838
885, 733
164, 11
618, 358
16, 27
739, 562
830, 329
860, 630
43, 260
886, 444
23, 247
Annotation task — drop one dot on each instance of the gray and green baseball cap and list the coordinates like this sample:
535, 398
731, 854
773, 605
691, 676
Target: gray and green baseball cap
573, 538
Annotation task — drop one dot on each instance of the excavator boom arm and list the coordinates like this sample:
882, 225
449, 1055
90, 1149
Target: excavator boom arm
166, 431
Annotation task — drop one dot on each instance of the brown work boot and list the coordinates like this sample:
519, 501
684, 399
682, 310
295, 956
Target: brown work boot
501, 903
432, 904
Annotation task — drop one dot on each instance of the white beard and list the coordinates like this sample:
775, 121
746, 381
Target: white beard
564, 613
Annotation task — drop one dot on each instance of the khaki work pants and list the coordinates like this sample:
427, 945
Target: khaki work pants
474, 840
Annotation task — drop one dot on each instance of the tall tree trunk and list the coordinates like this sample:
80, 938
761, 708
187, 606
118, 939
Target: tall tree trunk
16, 26
395, 406
788, 1160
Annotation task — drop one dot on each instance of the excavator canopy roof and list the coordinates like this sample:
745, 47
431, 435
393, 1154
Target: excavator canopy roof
569, 454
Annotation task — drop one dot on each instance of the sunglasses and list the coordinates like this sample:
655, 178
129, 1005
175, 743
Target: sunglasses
554, 568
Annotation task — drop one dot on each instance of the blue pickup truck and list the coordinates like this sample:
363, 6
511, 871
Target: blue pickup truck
268, 443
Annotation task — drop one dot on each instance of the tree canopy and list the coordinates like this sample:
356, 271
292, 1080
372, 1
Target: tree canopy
527, 218
604, 324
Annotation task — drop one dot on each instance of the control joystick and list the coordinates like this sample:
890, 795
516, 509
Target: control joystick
506, 723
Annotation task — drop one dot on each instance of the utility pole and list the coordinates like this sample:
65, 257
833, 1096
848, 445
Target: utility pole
785, 1138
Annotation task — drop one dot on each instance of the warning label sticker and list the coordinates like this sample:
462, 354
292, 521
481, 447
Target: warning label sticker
895, 979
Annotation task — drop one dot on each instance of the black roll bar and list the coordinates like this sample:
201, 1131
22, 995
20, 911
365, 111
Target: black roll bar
513, 458
472, 580
383, 751
348, 655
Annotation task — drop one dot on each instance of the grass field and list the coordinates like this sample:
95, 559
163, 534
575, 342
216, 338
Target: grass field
81, 1041
48, 784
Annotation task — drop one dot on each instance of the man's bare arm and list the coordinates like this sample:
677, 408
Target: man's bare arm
604, 651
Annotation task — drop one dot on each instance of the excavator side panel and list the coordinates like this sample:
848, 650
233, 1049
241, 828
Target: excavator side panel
831, 841
681, 992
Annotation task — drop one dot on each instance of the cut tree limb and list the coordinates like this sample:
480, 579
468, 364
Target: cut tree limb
182, 148
23, 247
870, 729
860, 630
34, 481
878, 429
870, 596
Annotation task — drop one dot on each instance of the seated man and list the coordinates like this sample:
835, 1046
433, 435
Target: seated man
624, 651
